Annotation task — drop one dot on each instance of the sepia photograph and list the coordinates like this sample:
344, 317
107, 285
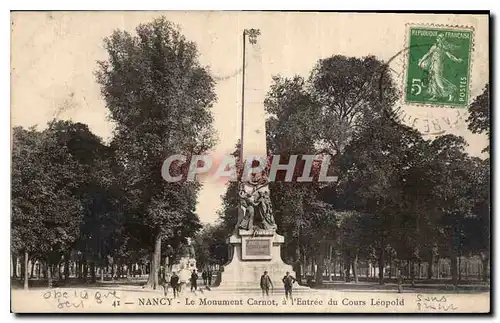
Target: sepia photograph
250, 162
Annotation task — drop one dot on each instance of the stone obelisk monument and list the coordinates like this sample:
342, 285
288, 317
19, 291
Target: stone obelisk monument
253, 118
256, 247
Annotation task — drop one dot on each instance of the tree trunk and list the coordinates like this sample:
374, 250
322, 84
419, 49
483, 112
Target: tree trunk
92, 272
411, 264
56, 272
129, 270
298, 269
23, 268
14, 266
347, 270
453, 269
484, 261
79, 269
304, 262
430, 265
43, 269
32, 271
66, 266
355, 268
459, 269
155, 264
321, 266
381, 265
49, 275
26, 265
102, 274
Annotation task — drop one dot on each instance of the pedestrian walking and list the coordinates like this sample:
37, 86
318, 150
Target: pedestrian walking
265, 284
400, 282
174, 283
204, 277
162, 280
194, 281
209, 278
288, 281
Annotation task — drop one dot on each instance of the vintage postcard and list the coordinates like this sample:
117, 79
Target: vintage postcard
250, 162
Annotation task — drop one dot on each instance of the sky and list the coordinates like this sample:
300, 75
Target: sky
54, 54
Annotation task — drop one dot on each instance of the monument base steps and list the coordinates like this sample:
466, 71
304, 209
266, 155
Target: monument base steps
254, 253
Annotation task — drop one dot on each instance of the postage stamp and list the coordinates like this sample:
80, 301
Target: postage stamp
438, 65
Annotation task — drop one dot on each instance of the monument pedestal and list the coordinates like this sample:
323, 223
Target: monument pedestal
184, 268
254, 253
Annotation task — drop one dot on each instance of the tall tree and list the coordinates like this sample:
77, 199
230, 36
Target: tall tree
47, 179
453, 173
347, 90
375, 163
99, 194
479, 117
160, 98
320, 115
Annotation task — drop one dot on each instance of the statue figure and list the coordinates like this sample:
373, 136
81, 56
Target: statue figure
247, 211
187, 250
264, 210
255, 211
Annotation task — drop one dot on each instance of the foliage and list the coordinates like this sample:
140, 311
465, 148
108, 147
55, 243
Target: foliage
160, 98
479, 117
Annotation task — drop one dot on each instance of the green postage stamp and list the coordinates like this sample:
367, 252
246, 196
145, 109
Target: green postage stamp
438, 65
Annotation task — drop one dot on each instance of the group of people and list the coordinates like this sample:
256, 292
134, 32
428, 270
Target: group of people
178, 285
266, 284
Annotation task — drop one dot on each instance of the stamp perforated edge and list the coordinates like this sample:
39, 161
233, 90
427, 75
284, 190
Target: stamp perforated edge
405, 59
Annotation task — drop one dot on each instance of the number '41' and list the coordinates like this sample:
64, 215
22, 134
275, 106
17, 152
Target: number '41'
115, 303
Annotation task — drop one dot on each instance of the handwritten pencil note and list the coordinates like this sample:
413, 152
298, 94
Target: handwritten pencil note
441, 303
80, 299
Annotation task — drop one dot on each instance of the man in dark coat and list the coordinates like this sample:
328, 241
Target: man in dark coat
288, 281
194, 281
265, 284
162, 279
209, 278
174, 282
204, 276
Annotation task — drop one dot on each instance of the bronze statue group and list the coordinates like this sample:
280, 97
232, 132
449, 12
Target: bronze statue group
255, 210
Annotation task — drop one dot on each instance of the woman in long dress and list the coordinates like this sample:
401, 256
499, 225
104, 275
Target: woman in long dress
433, 62
263, 210
246, 210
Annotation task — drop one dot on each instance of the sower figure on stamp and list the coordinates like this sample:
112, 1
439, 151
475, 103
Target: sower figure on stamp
265, 284
288, 281
434, 61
